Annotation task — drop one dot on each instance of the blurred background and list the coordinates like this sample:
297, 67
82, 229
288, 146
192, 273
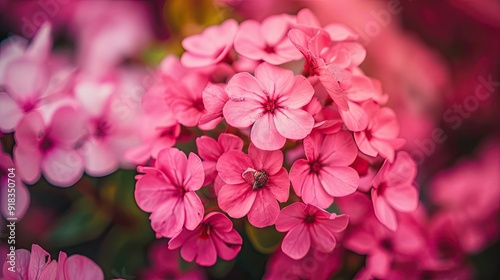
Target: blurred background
439, 62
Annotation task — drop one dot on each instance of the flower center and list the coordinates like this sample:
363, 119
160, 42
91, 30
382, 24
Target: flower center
46, 143
256, 178
102, 129
310, 219
315, 166
198, 105
205, 231
269, 49
270, 106
381, 188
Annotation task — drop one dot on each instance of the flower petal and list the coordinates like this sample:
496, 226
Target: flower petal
265, 209
264, 134
290, 217
383, 211
297, 242
236, 200
339, 181
293, 123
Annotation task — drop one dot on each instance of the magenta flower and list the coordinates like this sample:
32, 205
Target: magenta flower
271, 103
267, 41
325, 173
215, 236
394, 189
37, 265
253, 185
308, 226
380, 137
50, 148
211, 46
167, 190
211, 150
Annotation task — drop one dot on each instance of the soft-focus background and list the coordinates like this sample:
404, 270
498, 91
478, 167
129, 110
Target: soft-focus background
439, 61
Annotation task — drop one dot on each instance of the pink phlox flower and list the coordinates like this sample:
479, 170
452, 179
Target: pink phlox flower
253, 185
381, 134
167, 190
394, 189
214, 237
271, 103
210, 151
308, 226
214, 98
211, 46
325, 173
51, 148
37, 265
267, 41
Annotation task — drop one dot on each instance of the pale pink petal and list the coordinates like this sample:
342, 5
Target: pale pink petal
49, 272
314, 193
338, 149
355, 118
231, 166
194, 175
169, 217
242, 113
290, 217
385, 124
151, 191
246, 86
82, 268
25, 79
322, 238
229, 142
383, 211
173, 163
41, 44
339, 181
270, 161
275, 81
297, 242
264, 134
28, 162
30, 130
62, 167
298, 175
330, 79
293, 123
10, 113
100, 159
384, 148
265, 209
249, 41
279, 185
208, 148
194, 210
214, 98
275, 28
39, 259
67, 126
236, 200
404, 199
362, 89
363, 144
21, 269
299, 95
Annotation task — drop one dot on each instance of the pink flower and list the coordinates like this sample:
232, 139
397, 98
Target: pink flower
211, 46
214, 99
37, 265
167, 190
253, 183
21, 195
210, 151
308, 226
50, 148
380, 137
394, 189
215, 236
326, 173
267, 41
271, 102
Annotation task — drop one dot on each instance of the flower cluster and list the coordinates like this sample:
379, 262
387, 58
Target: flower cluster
291, 107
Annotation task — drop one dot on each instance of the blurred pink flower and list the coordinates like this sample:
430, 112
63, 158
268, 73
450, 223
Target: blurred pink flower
20, 193
271, 103
308, 226
167, 190
326, 173
37, 265
267, 41
394, 189
253, 183
211, 46
215, 236
51, 147
210, 151
380, 137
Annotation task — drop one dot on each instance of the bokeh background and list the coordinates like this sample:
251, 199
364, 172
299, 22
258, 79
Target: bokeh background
430, 56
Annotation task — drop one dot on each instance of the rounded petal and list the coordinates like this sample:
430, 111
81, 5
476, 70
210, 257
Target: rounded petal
404, 199
82, 268
194, 210
355, 118
297, 242
208, 148
265, 209
242, 112
100, 159
151, 191
383, 211
270, 161
275, 81
293, 123
231, 166
228, 244
228, 142
236, 200
194, 175
299, 172
173, 163
62, 167
28, 164
314, 193
339, 181
290, 217
299, 95
338, 149
10, 113
264, 134
279, 185
322, 238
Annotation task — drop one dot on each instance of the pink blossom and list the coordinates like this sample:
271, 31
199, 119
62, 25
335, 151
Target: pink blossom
267, 41
167, 190
380, 137
211, 46
50, 147
38, 265
271, 103
394, 189
308, 226
214, 99
215, 236
325, 173
253, 185
210, 151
